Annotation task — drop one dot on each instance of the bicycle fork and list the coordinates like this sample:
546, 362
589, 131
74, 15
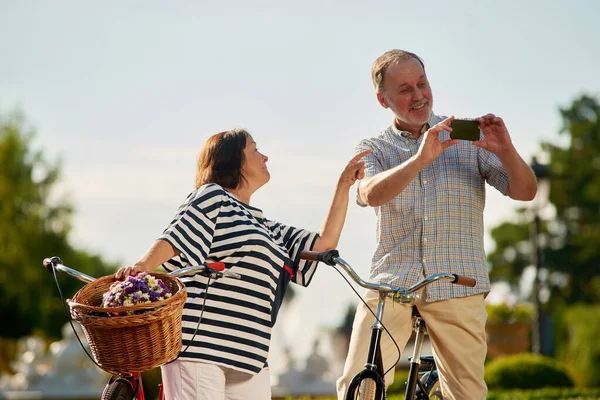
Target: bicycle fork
413, 375
370, 381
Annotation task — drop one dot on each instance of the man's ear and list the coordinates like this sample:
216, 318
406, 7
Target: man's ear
381, 99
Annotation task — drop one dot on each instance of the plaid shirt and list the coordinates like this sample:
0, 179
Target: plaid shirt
435, 225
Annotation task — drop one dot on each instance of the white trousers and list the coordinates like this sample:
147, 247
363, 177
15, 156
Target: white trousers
456, 329
190, 380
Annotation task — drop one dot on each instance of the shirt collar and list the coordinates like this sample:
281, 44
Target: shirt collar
425, 128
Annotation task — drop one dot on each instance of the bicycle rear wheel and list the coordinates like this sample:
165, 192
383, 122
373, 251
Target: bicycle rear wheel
431, 383
120, 389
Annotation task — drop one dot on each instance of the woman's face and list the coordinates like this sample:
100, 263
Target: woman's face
254, 167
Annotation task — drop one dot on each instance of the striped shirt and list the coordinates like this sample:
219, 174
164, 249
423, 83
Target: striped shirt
235, 331
435, 225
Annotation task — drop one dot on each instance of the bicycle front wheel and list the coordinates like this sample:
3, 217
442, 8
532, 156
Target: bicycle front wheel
367, 390
120, 389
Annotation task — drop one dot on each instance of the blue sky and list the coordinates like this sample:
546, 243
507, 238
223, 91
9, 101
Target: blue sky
126, 93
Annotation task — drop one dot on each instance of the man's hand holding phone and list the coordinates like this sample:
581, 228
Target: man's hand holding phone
496, 138
431, 146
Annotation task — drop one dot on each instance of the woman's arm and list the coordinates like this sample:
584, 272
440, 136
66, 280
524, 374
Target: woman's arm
336, 215
160, 252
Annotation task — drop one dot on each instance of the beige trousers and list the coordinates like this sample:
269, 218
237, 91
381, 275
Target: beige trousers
190, 380
457, 332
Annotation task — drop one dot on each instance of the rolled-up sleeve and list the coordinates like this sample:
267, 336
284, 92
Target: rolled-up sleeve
191, 231
492, 170
373, 165
296, 241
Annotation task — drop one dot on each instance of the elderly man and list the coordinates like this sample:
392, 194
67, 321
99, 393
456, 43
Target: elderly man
428, 191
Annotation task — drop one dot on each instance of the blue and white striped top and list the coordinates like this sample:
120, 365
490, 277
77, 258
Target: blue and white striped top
235, 331
435, 225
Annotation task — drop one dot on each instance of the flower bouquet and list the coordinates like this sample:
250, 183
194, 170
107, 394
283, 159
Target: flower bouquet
140, 289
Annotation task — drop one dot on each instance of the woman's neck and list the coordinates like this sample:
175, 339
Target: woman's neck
241, 193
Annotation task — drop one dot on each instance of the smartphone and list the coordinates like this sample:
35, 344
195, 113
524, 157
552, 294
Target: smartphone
465, 129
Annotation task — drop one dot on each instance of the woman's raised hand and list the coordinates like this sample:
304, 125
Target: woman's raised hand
354, 170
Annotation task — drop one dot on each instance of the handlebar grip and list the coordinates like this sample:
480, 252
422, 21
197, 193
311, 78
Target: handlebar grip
464, 280
309, 255
217, 266
328, 256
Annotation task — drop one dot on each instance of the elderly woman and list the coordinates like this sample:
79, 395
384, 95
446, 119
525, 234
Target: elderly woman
227, 357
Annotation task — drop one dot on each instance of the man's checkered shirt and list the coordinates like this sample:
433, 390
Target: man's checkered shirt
435, 225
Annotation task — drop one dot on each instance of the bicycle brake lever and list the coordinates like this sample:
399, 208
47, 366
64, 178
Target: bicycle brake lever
231, 275
224, 274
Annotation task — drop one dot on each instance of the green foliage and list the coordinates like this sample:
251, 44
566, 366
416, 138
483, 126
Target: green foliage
578, 335
526, 371
546, 394
537, 394
572, 238
399, 384
575, 192
151, 379
33, 227
509, 259
502, 312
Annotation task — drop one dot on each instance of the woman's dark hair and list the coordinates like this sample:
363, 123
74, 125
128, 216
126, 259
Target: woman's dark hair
221, 158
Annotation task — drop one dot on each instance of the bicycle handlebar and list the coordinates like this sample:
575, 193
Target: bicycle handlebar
332, 257
213, 270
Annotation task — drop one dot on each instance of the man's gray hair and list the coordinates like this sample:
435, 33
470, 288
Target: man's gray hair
385, 60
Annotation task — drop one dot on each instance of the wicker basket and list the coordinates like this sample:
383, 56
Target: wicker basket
131, 343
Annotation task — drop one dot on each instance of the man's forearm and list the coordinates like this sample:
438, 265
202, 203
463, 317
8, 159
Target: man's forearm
522, 184
386, 185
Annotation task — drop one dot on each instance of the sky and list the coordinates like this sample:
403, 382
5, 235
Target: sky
124, 94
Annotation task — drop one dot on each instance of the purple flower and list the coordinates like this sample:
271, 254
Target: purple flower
134, 290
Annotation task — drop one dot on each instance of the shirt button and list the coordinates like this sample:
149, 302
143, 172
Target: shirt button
425, 218
424, 260
425, 240
424, 182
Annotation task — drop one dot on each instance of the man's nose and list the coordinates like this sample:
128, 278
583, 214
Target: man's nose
417, 94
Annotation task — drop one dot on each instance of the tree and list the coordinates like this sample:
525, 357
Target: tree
572, 238
512, 253
575, 193
33, 227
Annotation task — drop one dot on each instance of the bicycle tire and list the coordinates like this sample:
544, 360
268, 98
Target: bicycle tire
367, 389
366, 385
120, 389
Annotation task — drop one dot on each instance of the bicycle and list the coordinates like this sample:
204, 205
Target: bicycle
369, 383
127, 385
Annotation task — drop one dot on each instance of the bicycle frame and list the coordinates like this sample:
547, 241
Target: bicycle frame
374, 364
